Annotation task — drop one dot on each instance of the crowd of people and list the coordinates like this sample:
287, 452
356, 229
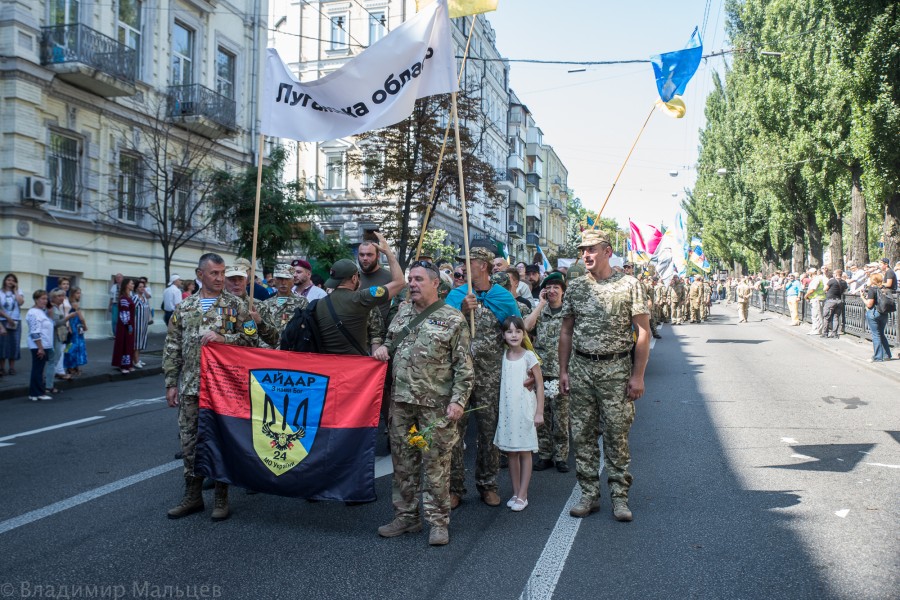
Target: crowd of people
551, 353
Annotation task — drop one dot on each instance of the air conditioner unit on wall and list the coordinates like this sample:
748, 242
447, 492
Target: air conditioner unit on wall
512, 229
37, 189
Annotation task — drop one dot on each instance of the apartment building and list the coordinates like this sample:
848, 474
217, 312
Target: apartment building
112, 113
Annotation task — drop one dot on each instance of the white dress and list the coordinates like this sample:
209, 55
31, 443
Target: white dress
515, 426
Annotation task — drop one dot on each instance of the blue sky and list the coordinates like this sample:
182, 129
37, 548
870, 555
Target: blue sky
591, 118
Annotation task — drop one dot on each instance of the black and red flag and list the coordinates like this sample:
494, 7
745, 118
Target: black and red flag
290, 423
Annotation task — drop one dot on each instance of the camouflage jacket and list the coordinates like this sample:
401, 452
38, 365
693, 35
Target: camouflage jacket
229, 317
695, 292
547, 340
275, 316
487, 346
603, 311
661, 295
707, 292
676, 293
432, 365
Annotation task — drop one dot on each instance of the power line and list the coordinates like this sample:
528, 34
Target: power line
339, 22
382, 20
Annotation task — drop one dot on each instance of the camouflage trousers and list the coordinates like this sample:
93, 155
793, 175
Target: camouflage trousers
695, 311
743, 307
553, 435
599, 406
487, 457
675, 310
188, 415
409, 462
704, 311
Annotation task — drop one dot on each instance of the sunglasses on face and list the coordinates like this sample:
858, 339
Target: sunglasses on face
459, 275
425, 264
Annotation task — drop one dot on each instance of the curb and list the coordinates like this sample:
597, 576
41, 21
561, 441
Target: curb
89, 380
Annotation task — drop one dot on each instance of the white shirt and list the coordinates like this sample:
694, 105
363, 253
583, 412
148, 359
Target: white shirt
313, 292
857, 280
40, 327
171, 298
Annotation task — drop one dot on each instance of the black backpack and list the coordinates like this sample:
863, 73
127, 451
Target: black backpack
301, 334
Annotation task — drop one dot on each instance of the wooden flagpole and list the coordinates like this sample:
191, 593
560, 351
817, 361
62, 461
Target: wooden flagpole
259, 166
619, 174
465, 211
437, 169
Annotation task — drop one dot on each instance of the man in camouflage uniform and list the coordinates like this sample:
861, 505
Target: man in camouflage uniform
695, 295
553, 435
210, 315
275, 312
743, 293
599, 312
661, 300
487, 353
705, 300
676, 300
433, 377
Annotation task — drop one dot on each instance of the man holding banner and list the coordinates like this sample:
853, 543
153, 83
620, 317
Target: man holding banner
211, 315
433, 377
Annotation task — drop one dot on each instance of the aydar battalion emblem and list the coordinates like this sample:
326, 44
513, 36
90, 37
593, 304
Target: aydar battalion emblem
286, 409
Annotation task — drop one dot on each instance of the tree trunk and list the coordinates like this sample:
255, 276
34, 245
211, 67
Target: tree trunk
892, 228
836, 225
815, 240
859, 244
798, 257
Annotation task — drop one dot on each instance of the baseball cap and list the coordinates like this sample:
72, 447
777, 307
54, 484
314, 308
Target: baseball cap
592, 237
478, 253
283, 271
175, 277
341, 270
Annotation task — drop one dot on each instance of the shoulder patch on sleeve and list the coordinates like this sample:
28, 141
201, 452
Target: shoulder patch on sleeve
377, 291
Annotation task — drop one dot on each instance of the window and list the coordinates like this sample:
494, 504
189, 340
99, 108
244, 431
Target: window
334, 169
339, 25
182, 55
130, 181
377, 26
63, 12
64, 171
225, 73
180, 215
129, 28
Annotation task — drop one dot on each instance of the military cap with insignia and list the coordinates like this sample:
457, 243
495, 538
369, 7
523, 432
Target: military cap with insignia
592, 237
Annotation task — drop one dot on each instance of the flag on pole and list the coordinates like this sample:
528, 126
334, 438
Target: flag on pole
697, 257
644, 240
674, 70
289, 423
463, 8
545, 267
375, 89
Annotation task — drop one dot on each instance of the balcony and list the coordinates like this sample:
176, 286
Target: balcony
533, 210
89, 60
533, 149
515, 229
502, 179
515, 162
533, 179
201, 110
532, 239
556, 205
517, 198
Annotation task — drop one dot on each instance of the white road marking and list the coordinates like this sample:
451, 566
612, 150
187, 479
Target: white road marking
133, 403
884, 465
843, 513
652, 342
50, 428
789, 441
383, 466
803, 456
1, 445
58, 507
549, 566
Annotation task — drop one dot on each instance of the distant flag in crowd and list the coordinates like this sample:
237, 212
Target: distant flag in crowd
644, 240
375, 89
673, 71
697, 257
288, 423
463, 8
545, 267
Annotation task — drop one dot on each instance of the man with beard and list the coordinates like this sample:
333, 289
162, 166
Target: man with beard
303, 285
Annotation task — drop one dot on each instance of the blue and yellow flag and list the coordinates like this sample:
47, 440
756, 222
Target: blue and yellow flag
674, 70
463, 8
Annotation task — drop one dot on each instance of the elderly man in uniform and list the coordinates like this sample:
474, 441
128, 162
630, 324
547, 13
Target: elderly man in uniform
433, 377
695, 295
599, 312
743, 293
211, 315
676, 300
490, 304
553, 435
275, 312
705, 299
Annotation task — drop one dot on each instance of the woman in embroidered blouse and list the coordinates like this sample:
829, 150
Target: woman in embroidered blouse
11, 299
123, 350
141, 322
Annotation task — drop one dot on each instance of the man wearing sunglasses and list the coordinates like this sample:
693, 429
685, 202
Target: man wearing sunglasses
433, 377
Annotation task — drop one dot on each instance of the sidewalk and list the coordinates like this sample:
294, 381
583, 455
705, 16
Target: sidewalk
97, 370
858, 350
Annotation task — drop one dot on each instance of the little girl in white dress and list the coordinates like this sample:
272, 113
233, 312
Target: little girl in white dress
520, 410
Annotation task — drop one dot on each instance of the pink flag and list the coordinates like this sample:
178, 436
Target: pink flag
645, 238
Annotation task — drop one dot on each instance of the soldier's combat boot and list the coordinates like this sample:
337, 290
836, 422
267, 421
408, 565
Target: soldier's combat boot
193, 498
439, 536
399, 527
585, 507
220, 509
542, 464
620, 510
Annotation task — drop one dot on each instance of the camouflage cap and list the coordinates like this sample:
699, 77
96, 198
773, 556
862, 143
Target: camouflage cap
283, 271
592, 237
238, 269
501, 278
479, 253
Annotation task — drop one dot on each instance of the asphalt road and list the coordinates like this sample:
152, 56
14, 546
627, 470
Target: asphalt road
764, 468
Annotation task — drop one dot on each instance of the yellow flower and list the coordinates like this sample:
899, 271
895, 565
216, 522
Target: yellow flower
413, 429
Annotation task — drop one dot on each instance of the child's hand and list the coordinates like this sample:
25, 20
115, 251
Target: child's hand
539, 418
